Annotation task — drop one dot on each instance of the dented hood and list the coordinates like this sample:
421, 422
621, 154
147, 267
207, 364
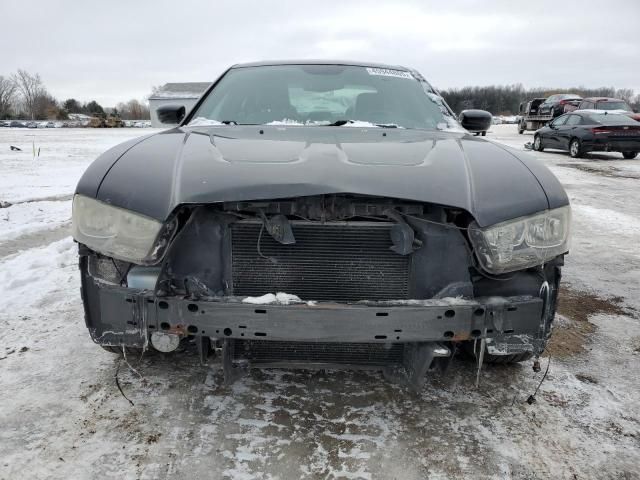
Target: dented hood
155, 174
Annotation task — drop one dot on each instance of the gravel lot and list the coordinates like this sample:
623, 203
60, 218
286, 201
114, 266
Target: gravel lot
62, 416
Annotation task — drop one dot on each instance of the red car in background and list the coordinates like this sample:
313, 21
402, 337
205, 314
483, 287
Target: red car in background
605, 104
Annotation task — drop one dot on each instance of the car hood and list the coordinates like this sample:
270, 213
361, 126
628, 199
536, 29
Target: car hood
198, 165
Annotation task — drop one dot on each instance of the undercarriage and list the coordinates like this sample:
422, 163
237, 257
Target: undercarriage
333, 281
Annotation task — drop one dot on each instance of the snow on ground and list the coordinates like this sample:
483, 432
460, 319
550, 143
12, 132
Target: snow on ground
61, 415
29, 217
64, 155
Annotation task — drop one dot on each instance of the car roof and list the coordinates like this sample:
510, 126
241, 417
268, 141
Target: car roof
265, 63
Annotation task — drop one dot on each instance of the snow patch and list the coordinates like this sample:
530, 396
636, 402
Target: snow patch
279, 298
31, 217
204, 122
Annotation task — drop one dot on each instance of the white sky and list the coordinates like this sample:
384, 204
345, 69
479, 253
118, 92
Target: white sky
114, 50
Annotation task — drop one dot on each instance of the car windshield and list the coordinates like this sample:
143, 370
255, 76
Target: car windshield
613, 106
613, 119
316, 95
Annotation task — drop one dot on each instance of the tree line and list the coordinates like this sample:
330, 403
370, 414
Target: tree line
23, 95
505, 99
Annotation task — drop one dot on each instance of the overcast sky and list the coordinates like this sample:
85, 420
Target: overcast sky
114, 50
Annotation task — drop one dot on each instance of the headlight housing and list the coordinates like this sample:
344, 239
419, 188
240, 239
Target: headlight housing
115, 232
522, 243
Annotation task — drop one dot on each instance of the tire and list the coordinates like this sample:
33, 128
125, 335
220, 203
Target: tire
467, 350
575, 148
132, 352
484, 134
537, 144
629, 155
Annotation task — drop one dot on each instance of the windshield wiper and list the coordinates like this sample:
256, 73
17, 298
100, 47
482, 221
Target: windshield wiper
338, 123
341, 122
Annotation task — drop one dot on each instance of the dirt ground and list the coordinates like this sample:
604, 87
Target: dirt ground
62, 415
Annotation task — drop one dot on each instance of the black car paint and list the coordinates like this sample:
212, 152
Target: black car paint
158, 174
559, 133
200, 165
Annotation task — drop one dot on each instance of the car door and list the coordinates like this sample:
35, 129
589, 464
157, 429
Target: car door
551, 139
567, 131
545, 107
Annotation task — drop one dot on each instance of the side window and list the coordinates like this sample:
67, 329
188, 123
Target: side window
586, 105
559, 121
574, 120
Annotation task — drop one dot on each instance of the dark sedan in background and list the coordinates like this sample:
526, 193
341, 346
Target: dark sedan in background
586, 131
558, 104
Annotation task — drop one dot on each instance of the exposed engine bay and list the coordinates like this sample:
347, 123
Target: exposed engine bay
370, 283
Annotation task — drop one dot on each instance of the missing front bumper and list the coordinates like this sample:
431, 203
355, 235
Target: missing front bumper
123, 316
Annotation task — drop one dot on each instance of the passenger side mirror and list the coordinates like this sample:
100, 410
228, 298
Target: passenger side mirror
172, 114
475, 120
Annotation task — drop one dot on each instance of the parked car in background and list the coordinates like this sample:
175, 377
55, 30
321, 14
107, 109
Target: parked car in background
555, 105
582, 131
606, 104
318, 214
16, 124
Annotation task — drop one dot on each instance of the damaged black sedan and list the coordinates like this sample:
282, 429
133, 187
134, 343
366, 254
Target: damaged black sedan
321, 215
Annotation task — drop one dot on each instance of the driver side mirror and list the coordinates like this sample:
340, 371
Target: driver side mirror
172, 114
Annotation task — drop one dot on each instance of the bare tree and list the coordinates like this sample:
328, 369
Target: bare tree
30, 88
133, 110
7, 92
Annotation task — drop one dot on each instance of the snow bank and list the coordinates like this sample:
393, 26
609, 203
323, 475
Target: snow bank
32, 275
26, 218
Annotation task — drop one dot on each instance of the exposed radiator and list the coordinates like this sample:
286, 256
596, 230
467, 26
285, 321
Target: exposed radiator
261, 351
340, 262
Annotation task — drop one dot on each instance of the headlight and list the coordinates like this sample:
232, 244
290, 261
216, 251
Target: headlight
115, 232
522, 243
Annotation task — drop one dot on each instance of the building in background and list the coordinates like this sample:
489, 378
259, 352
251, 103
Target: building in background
186, 94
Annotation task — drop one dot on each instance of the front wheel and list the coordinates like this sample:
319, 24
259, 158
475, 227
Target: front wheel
484, 134
575, 149
537, 144
629, 155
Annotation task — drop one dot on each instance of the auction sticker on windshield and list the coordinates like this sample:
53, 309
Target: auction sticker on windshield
387, 72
